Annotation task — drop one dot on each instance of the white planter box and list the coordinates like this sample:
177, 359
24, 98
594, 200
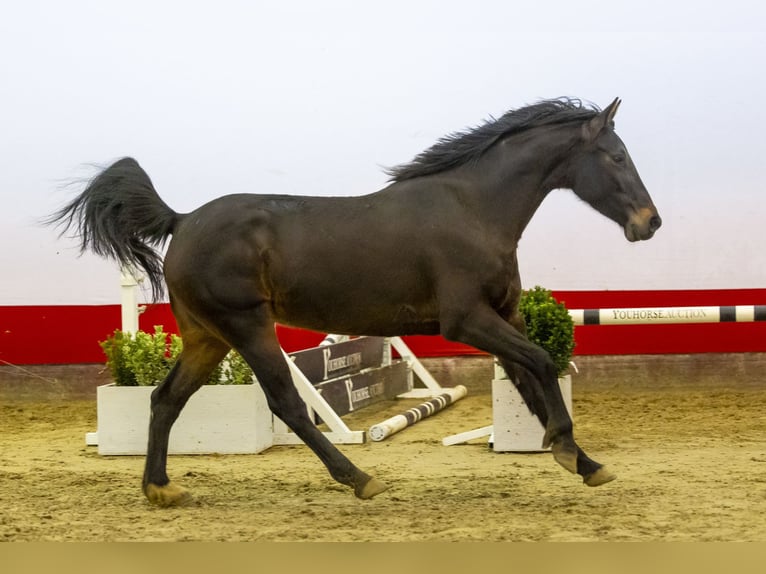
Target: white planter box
514, 428
225, 419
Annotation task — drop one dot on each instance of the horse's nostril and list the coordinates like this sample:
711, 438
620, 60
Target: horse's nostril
655, 223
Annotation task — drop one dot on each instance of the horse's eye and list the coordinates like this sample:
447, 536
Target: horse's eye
618, 158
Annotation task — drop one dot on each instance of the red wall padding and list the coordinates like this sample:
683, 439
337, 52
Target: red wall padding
70, 334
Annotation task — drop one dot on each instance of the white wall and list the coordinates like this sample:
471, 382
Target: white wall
313, 97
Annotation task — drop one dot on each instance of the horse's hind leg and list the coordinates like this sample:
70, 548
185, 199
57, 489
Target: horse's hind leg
262, 352
201, 354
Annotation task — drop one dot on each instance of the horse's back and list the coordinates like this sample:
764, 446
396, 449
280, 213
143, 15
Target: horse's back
317, 262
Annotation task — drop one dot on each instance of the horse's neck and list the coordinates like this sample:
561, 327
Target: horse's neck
516, 175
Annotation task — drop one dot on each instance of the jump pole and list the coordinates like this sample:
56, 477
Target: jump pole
669, 315
412, 416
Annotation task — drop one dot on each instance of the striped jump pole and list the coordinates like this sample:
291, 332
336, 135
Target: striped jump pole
669, 315
396, 423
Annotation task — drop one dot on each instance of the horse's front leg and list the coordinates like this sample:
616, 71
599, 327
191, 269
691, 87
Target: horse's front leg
530, 389
593, 473
484, 329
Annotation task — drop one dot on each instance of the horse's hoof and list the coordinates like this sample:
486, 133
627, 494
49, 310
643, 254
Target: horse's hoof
565, 454
168, 495
601, 476
371, 488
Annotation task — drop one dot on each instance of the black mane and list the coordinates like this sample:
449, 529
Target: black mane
462, 147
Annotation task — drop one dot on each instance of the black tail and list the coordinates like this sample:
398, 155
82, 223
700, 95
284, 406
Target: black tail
119, 215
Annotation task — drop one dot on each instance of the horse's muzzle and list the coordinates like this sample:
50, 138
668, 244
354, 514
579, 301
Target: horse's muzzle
642, 224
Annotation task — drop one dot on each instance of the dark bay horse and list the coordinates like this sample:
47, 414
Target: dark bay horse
432, 253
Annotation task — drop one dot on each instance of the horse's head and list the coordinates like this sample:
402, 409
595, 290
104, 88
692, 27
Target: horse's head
604, 176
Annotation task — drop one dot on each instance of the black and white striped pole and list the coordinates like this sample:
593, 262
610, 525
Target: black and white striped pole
412, 416
669, 315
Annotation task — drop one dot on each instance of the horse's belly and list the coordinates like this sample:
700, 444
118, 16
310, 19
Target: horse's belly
340, 312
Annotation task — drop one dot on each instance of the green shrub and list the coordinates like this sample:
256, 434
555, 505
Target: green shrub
549, 325
233, 370
145, 359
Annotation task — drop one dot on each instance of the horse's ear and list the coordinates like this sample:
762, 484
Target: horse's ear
611, 111
593, 127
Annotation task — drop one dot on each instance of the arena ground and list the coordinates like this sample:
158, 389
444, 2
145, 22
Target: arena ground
684, 434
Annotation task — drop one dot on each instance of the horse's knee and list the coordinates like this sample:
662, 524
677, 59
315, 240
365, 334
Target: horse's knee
542, 365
